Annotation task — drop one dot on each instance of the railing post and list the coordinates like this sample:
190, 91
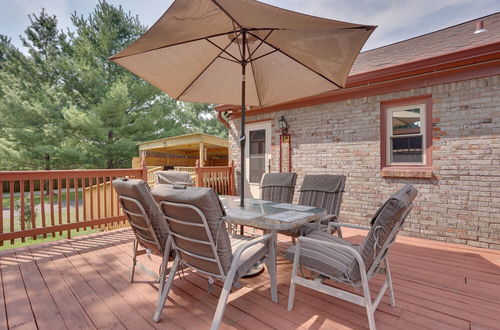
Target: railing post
231, 179
198, 175
144, 169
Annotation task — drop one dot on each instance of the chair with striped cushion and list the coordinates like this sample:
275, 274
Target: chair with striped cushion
323, 191
200, 239
334, 258
278, 187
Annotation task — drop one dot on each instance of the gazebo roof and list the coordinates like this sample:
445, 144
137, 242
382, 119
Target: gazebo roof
190, 141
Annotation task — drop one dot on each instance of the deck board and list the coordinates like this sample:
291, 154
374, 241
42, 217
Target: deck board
83, 283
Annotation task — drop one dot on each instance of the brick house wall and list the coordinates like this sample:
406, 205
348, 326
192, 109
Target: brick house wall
460, 204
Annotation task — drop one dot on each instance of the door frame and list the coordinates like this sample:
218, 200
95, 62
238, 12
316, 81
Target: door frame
266, 125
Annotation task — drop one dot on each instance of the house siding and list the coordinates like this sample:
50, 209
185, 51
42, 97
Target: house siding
460, 204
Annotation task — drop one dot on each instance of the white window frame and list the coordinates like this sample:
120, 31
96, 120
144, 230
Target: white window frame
389, 132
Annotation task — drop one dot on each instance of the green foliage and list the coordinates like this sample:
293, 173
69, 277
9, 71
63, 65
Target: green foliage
65, 105
25, 210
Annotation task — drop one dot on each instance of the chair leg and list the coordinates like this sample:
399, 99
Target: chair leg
389, 282
164, 294
339, 232
291, 294
163, 267
221, 305
293, 239
271, 268
134, 259
368, 303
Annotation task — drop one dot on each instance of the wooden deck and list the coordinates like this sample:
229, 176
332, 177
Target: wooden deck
82, 283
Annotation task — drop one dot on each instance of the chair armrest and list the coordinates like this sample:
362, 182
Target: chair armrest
346, 248
348, 225
239, 251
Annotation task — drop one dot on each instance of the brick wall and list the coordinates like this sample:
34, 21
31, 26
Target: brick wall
460, 204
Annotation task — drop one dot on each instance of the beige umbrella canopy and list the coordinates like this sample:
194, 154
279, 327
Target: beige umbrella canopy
243, 52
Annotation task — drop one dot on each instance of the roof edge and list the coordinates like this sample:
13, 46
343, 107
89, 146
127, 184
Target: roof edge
450, 60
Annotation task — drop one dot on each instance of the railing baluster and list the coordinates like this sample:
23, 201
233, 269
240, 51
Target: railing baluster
42, 204
21, 210
1, 210
112, 197
77, 206
51, 201
98, 183
11, 193
32, 205
84, 201
59, 202
68, 208
105, 199
91, 192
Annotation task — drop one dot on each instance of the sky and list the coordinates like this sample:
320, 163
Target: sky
396, 19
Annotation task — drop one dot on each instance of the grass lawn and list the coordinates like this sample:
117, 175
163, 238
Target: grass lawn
46, 198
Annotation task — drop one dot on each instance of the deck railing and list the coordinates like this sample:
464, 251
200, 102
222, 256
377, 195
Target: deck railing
45, 203
220, 178
41, 204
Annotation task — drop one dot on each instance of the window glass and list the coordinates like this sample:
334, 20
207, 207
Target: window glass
406, 140
257, 151
406, 122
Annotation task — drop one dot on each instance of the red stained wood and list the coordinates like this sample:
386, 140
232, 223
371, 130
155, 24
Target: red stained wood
42, 205
85, 282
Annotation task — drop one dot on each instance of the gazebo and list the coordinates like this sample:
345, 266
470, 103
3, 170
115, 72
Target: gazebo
184, 151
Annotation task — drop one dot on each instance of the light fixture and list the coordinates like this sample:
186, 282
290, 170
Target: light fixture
283, 125
480, 27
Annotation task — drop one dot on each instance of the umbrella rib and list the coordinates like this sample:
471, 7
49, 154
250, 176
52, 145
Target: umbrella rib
253, 75
223, 50
228, 15
205, 69
261, 42
294, 59
174, 44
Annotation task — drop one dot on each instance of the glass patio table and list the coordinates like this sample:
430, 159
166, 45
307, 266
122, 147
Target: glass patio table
271, 217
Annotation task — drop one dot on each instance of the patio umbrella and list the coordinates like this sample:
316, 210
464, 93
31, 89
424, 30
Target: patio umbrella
243, 52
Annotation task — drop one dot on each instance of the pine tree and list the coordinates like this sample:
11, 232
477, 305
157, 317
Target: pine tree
32, 122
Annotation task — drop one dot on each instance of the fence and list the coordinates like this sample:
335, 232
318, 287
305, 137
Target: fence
50, 202
220, 178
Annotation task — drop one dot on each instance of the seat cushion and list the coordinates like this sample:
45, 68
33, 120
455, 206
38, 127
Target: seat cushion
174, 177
207, 201
251, 256
326, 260
140, 191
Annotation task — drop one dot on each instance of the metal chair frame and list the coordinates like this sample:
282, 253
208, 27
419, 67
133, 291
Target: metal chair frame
227, 278
366, 275
165, 249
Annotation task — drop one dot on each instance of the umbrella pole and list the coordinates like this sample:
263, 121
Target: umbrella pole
242, 136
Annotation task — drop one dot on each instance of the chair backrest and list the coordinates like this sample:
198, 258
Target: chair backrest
323, 191
196, 220
278, 187
143, 213
174, 177
386, 223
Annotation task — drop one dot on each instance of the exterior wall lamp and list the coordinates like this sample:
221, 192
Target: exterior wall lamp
283, 125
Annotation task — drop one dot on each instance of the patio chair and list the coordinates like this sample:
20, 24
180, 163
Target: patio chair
278, 187
147, 223
323, 191
331, 257
174, 177
199, 236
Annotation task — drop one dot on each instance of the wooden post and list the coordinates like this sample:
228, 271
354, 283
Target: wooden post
232, 189
144, 167
198, 175
201, 157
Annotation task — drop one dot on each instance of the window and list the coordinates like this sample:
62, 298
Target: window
406, 133
257, 155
